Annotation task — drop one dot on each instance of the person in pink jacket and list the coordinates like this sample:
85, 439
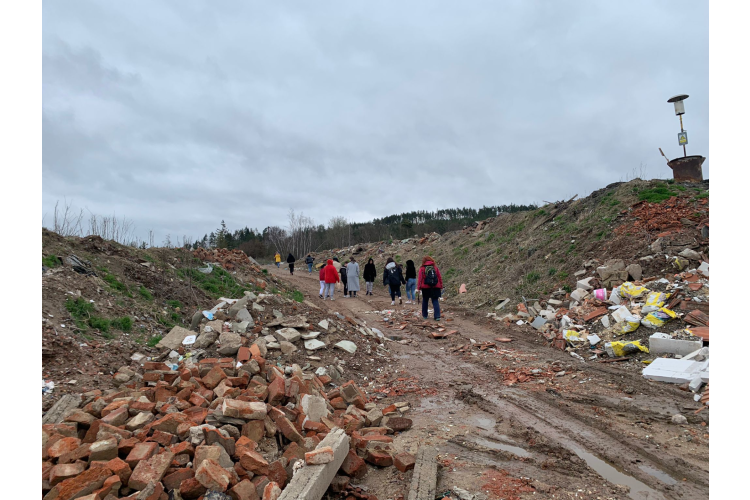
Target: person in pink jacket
430, 283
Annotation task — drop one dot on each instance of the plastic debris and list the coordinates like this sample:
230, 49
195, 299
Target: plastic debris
618, 349
656, 319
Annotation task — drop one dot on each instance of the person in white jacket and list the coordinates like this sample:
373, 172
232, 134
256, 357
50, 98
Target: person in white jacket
352, 277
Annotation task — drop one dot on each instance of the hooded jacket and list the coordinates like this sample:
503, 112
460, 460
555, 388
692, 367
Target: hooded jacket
309, 259
370, 273
386, 273
277, 257
420, 280
331, 274
290, 259
342, 272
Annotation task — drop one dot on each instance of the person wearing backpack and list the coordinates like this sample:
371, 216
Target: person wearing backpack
411, 282
331, 277
393, 278
369, 275
309, 261
430, 282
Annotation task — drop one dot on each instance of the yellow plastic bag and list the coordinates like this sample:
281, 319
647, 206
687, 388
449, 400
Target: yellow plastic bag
624, 348
630, 324
654, 301
656, 319
573, 336
631, 291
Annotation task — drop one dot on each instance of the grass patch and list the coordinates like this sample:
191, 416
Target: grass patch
656, 194
50, 261
174, 304
450, 273
552, 271
118, 285
265, 271
490, 237
567, 288
165, 321
563, 275
143, 292
680, 188
154, 340
701, 196
79, 308
124, 324
532, 277
217, 283
101, 324
540, 212
478, 243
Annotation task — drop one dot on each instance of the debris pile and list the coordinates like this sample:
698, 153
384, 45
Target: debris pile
229, 259
238, 422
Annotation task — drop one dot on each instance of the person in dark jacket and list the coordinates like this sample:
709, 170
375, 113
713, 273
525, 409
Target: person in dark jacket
369, 275
411, 282
393, 278
430, 282
290, 260
342, 272
309, 261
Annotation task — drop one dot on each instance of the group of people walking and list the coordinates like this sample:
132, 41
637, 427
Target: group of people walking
291, 260
427, 280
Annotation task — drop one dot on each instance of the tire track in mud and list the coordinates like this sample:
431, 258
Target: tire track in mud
565, 431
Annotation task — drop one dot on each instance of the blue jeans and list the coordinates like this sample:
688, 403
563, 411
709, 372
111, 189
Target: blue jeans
411, 287
309, 267
434, 294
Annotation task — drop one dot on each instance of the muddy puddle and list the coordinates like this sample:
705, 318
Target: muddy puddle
501, 446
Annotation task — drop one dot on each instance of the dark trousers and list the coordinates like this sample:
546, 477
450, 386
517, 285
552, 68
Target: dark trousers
291, 268
434, 294
346, 288
395, 291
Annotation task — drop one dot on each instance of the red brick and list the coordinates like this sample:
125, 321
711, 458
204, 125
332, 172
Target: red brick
191, 489
389, 409
244, 490
125, 446
163, 438
120, 468
404, 461
141, 451
243, 409
111, 485
277, 473
111, 429
271, 491
309, 425
379, 458
196, 415
155, 365
151, 470
319, 456
183, 447
339, 403
171, 376
79, 453
244, 444
254, 462
141, 407
324, 379
172, 481
213, 377
180, 461
112, 407
244, 354
276, 391
294, 451
362, 441
198, 400
288, 430
83, 484
62, 446
170, 422
212, 475
254, 429
353, 465
61, 472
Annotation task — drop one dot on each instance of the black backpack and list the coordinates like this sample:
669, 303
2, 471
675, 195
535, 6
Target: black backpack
430, 276
393, 278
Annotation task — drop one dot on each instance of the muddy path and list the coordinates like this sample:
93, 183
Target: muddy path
599, 430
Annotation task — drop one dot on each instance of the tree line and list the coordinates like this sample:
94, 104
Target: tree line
301, 235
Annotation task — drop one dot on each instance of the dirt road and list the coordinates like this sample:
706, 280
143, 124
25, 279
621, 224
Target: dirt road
598, 431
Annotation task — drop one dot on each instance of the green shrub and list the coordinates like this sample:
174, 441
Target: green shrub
490, 237
298, 296
701, 196
98, 323
50, 261
567, 288
143, 292
478, 243
656, 194
79, 308
532, 277
124, 324
563, 275
552, 271
265, 271
115, 283
174, 304
217, 283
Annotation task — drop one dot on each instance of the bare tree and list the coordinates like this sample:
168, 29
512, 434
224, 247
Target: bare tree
65, 221
338, 228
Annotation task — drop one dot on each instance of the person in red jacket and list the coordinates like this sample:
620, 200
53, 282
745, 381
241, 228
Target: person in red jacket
331, 277
430, 283
322, 276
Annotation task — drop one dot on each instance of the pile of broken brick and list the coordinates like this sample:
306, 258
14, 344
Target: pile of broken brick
229, 259
211, 427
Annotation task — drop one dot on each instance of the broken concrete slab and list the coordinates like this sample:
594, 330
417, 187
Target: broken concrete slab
539, 322
635, 271
690, 254
663, 343
230, 343
288, 335
312, 481
347, 346
58, 412
244, 315
579, 294
676, 371
174, 338
424, 476
502, 304
314, 345
309, 335
620, 314
323, 324
584, 284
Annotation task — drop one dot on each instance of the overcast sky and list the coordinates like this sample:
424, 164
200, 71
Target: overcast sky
178, 114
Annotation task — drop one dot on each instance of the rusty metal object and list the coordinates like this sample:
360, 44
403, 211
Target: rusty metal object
687, 169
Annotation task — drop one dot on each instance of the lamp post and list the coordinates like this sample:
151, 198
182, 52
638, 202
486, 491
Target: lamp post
679, 110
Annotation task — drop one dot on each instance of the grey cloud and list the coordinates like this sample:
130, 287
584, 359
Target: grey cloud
181, 114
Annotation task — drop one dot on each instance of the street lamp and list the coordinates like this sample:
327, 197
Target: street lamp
679, 110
